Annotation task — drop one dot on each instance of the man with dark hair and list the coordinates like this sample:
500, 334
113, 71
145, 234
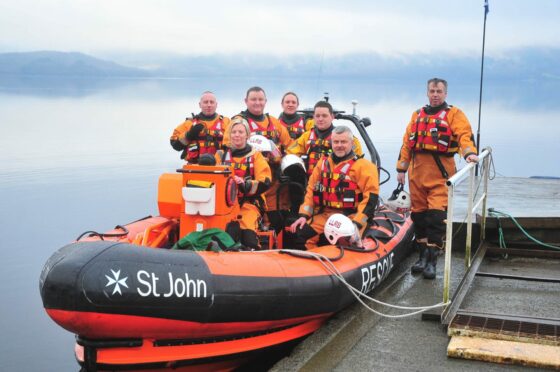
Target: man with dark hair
433, 136
260, 122
316, 142
342, 182
201, 134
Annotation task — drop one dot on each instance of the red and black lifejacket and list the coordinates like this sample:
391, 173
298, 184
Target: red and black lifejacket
432, 133
242, 167
295, 129
269, 131
335, 189
209, 140
315, 149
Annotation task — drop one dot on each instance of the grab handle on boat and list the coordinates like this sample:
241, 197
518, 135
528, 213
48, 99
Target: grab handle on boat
144, 238
201, 171
105, 235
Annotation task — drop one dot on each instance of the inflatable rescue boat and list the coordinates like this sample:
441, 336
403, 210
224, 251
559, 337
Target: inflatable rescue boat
134, 303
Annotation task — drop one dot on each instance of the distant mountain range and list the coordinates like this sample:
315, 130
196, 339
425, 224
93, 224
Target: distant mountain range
47, 63
524, 64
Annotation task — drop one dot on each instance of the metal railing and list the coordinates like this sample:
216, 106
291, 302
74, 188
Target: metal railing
467, 172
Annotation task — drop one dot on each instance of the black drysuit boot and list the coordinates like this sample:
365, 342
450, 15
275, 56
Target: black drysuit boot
430, 270
420, 265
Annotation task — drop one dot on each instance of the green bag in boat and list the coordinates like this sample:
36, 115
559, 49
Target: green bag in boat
201, 240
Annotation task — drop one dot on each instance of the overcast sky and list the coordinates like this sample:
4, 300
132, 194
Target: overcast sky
100, 27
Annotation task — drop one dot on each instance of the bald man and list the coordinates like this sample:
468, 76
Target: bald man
201, 134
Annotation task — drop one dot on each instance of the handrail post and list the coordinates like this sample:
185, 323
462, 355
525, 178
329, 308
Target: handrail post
468, 242
448, 243
451, 183
486, 171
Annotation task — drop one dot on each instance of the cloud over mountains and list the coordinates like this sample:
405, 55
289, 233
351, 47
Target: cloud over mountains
523, 64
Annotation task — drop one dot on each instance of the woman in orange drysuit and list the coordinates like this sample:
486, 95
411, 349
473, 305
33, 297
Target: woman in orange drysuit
295, 123
252, 176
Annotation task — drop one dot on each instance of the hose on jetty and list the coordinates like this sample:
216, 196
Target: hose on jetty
498, 214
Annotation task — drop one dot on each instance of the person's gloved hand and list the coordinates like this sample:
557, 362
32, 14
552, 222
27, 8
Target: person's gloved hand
247, 186
195, 131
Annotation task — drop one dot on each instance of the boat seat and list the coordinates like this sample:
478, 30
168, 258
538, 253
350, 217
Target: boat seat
393, 216
381, 234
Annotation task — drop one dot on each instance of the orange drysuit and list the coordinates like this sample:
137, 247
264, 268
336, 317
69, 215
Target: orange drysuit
349, 185
314, 143
295, 124
199, 135
253, 167
419, 156
269, 127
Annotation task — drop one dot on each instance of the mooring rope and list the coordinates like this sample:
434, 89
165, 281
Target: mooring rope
332, 269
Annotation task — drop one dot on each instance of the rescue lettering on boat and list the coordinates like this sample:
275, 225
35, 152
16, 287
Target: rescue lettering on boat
374, 274
176, 286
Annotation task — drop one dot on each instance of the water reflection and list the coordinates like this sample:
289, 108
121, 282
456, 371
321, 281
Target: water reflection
85, 154
518, 94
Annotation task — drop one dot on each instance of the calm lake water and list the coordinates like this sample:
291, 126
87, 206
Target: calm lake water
83, 155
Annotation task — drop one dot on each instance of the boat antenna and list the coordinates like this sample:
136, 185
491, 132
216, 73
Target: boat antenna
320, 72
486, 10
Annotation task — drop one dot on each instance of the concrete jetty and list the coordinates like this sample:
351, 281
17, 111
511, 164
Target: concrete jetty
356, 339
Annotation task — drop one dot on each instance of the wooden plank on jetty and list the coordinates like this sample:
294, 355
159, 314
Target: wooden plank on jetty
504, 352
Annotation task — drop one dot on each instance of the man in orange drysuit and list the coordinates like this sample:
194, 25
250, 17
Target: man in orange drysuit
201, 134
340, 183
316, 141
433, 136
268, 126
252, 176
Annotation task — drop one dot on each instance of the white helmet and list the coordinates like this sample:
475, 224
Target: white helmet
259, 143
263, 144
399, 201
289, 161
339, 226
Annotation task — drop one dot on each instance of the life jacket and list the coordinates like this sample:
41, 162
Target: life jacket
209, 140
432, 133
316, 148
242, 167
295, 129
335, 189
269, 131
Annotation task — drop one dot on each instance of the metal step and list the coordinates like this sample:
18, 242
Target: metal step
506, 327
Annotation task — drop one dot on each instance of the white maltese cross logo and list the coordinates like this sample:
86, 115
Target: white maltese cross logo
116, 281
